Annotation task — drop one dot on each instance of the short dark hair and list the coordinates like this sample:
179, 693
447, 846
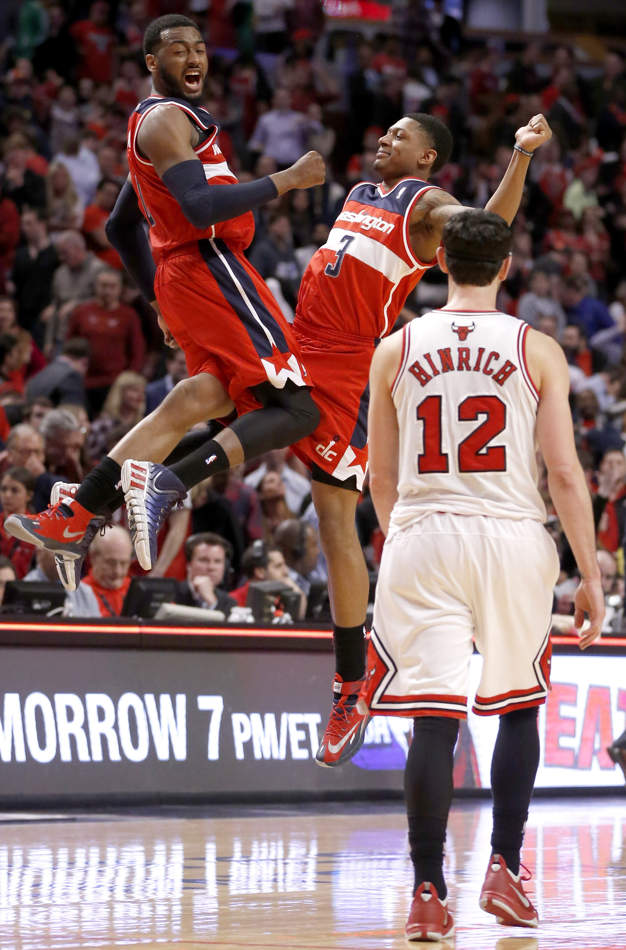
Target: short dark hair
76, 347
210, 538
476, 242
152, 36
439, 135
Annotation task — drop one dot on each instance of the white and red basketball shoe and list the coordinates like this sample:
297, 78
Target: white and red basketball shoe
429, 917
345, 731
503, 895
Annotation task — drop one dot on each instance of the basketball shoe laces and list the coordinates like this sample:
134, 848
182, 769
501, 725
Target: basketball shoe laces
342, 709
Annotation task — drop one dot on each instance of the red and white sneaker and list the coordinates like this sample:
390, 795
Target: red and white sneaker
429, 917
65, 528
503, 895
345, 731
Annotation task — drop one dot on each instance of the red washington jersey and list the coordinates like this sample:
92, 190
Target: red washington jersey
358, 281
169, 228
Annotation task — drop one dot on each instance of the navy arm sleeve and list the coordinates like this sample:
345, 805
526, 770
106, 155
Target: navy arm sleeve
126, 230
203, 204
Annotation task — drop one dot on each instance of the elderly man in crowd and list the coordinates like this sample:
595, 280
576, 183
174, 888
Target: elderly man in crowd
73, 282
101, 593
25, 448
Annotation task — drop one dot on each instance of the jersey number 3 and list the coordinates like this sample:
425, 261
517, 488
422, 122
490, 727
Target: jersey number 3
474, 452
332, 270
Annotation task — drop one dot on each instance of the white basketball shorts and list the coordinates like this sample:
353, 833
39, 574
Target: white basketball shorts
446, 582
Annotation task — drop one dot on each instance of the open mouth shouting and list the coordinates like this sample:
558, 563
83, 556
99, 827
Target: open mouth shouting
193, 82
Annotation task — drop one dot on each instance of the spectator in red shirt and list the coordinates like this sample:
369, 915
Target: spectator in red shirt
114, 334
96, 43
102, 591
95, 218
16, 493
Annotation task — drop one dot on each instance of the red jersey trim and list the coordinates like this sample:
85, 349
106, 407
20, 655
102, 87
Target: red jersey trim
414, 713
521, 352
403, 358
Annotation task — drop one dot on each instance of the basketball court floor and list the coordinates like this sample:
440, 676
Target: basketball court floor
299, 877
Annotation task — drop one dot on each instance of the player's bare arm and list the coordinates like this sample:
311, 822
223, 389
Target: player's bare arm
566, 480
383, 429
436, 206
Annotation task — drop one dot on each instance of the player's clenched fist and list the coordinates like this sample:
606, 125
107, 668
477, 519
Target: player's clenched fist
536, 133
307, 172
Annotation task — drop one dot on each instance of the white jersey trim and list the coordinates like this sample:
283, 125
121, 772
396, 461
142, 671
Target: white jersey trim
370, 252
178, 105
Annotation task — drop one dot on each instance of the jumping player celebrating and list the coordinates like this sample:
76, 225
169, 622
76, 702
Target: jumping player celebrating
240, 351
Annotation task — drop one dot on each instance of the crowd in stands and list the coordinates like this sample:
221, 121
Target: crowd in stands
81, 356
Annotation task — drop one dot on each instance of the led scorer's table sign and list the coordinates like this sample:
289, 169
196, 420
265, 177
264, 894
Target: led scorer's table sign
136, 721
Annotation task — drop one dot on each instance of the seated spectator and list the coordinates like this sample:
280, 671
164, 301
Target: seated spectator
9, 239
101, 593
297, 486
609, 577
64, 117
7, 573
25, 448
175, 370
95, 218
63, 380
33, 270
44, 571
17, 487
114, 334
208, 564
243, 500
213, 511
274, 508
35, 411
29, 360
264, 563
609, 502
299, 543
20, 184
82, 165
123, 408
578, 353
64, 209
538, 302
274, 258
281, 132
586, 312
63, 437
10, 358
73, 282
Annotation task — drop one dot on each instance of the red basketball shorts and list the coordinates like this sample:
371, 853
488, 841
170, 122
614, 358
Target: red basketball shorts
339, 367
223, 317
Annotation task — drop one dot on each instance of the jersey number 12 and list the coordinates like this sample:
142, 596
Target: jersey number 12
474, 454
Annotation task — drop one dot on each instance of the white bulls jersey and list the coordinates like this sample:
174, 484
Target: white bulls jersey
466, 411
357, 283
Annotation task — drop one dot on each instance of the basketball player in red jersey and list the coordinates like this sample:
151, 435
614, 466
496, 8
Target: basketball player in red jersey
240, 351
383, 241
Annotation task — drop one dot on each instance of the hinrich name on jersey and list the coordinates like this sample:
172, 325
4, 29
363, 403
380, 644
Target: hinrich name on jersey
367, 222
461, 359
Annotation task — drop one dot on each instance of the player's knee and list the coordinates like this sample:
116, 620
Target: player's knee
196, 399
305, 413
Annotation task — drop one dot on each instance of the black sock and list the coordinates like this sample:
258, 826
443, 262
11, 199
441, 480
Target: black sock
349, 652
99, 489
209, 459
428, 794
513, 770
